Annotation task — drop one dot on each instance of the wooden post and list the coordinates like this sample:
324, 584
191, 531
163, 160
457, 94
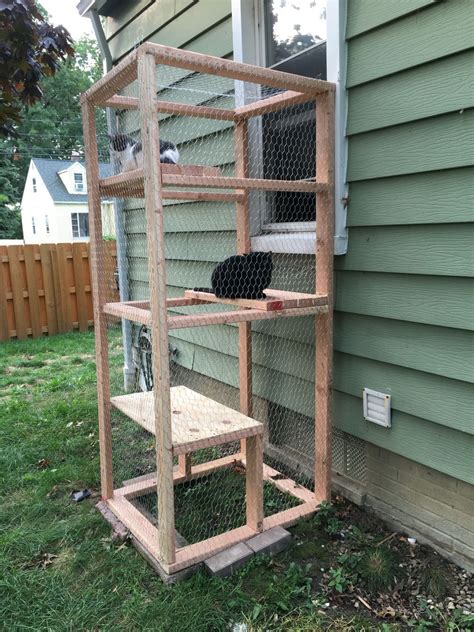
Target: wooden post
159, 328
254, 481
324, 284
243, 246
98, 297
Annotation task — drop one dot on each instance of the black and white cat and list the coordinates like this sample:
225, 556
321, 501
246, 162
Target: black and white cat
241, 276
129, 153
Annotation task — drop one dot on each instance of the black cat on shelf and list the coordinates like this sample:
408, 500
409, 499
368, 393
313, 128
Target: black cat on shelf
241, 276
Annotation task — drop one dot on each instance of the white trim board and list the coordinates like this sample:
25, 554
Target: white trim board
248, 44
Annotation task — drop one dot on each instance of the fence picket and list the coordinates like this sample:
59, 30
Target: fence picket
33, 296
35, 273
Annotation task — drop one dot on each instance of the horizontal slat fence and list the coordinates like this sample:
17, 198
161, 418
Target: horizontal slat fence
46, 288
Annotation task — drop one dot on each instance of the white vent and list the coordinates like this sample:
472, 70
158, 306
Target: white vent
377, 407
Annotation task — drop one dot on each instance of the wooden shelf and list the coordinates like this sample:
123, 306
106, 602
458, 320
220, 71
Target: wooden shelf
130, 184
196, 421
278, 304
276, 300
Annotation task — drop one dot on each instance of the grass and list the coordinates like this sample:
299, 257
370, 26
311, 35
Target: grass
60, 570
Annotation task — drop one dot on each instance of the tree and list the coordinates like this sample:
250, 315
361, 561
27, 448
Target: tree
52, 127
30, 49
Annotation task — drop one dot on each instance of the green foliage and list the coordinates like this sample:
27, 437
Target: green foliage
435, 580
378, 568
327, 520
31, 49
339, 579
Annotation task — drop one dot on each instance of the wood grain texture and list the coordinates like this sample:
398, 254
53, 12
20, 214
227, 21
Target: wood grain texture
437, 197
196, 421
440, 30
444, 250
443, 142
17, 284
412, 94
33, 297
365, 15
254, 481
434, 300
48, 284
99, 293
161, 417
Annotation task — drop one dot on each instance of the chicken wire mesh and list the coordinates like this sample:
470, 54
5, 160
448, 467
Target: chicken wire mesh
205, 237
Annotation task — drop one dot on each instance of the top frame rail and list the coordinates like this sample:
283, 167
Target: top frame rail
126, 72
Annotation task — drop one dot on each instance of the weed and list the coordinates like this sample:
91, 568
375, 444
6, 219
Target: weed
434, 580
339, 579
378, 568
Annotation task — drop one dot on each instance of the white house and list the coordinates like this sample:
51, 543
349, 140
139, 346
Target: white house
54, 203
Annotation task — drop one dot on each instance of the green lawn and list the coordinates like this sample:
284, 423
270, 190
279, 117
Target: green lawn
59, 569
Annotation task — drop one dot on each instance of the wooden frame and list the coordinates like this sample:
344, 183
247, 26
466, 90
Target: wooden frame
150, 183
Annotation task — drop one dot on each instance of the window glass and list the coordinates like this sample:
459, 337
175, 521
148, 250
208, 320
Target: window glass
33, 225
34, 185
78, 182
46, 222
292, 26
80, 225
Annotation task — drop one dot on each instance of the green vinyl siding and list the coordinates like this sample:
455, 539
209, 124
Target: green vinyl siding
404, 292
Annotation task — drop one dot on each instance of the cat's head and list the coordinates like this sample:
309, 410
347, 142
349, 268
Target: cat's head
120, 142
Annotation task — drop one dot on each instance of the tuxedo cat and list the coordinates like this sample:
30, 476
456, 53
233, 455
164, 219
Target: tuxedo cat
241, 276
129, 154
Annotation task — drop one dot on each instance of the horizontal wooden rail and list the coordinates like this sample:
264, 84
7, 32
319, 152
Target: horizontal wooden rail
167, 107
234, 70
272, 104
225, 182
121, 75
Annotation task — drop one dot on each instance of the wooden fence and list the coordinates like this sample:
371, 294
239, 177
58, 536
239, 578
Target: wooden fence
45, 288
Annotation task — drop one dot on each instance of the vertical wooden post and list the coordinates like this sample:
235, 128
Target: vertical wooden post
324, 284
254, 482
159, 327
243, 246
98, 297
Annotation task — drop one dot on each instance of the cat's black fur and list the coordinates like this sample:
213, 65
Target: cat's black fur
242, 276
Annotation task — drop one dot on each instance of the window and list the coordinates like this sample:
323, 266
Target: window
46, 223
80, 225
78, 182
33, 225
292, 37
34, 185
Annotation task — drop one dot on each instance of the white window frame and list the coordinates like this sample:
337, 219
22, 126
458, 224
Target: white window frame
78, 184
249, 46
33, 182
46, 223
79, 236
33, 225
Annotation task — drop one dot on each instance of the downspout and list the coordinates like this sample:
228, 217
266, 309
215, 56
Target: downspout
124, 290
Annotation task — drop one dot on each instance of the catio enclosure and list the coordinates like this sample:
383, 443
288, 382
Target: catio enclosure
185, 471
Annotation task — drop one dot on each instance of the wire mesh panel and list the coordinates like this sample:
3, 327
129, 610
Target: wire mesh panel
220, 178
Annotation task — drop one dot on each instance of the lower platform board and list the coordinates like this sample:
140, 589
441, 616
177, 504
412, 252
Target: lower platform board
147, 534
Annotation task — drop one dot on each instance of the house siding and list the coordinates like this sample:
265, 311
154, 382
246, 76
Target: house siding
404, 292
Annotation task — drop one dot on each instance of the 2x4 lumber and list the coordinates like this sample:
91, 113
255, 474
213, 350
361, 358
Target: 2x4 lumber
254, 481
275, 300
287, 485
148, 484
136, 522
289, 517
272, 104
199, 111
240, 316
159, 329
98, 295
124, 73
227, 182
324, 284
194, 553
207, 64
129, 312
243, 247
184, 465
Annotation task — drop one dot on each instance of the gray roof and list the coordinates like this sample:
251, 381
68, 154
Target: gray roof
48, 170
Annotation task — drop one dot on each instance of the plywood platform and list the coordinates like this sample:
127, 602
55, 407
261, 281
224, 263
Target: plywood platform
275, 300
197, 421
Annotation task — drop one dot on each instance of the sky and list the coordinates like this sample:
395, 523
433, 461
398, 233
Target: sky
65, 12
